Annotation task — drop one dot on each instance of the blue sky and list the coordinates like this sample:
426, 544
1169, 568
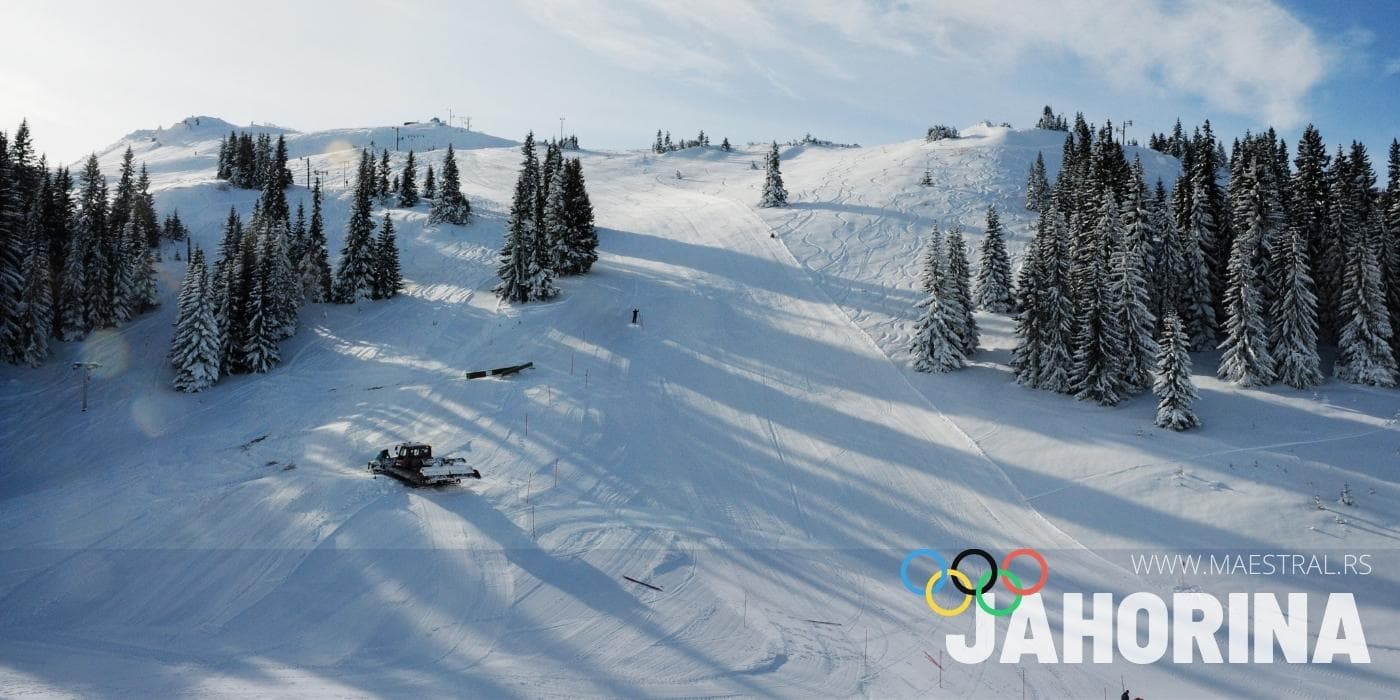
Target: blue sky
868, 71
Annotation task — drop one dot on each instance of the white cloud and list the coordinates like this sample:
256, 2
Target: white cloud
1391, 68
1249, 57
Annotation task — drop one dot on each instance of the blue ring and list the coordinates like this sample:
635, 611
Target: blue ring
909, 558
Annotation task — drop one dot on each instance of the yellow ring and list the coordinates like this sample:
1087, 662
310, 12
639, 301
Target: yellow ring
934, 606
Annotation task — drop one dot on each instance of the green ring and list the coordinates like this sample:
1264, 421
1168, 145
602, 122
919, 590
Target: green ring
1002, 612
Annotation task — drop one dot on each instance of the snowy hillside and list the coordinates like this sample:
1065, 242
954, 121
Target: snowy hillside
757, 448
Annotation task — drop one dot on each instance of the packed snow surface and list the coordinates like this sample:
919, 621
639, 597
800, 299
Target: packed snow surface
756, 447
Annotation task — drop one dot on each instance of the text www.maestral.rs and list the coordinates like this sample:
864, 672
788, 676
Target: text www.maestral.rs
1259, 564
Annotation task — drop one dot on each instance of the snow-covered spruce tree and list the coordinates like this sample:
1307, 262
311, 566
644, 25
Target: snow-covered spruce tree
129, 252
774, 195
1390, 248
958, 291
430, 184
927, 179
285, 293
1167, 277
72, 288
994, 268
1312, 198
99, 250
1246, 360
724, 145
296, 242
935, 344
1037, 186
1099, 342
1029, 327
388, 279
1173, 387
224, 290
408, 183
555, 222
382, 189
451, 206
1196, 304
143, 210
144, 294
1364, 355
356, 269
34, 312
1057, 310
1293, 336
241, 296
194, 350
259, 349
1131, 303
11, 255
581, 234
315, 259
516, 255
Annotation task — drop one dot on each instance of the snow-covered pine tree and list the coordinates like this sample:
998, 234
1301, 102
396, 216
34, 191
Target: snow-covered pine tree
355, 271
224, 290
382, 189
72, 288
143, 210
144, 294
724, 145
451, 206
296, 240
315, 262
994, 268
1056, 309
122, 198
99, 248
242, 295
194, 350
281, 172
1364, 355
11, 255
1037, 186
184, 300
130, 253
388, 278
34, 312
1390, 250
516, 255
774, 195
1173, 386
659, 146
285, 293
556, 223
935, 345
1293, 336
582, 236
1099, 339
430, 184
1246, 360
1131, 303
540, 268
408, 183
958, 291
259, 349
1030, 283
1196, 304
1311, 202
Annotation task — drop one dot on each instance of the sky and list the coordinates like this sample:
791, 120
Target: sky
87, 72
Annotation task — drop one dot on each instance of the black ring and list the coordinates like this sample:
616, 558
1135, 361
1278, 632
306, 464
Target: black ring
991, 563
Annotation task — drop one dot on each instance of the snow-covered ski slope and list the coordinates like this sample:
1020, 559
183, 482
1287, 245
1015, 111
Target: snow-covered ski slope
756, 447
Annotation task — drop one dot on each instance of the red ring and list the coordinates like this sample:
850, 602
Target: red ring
1044, 570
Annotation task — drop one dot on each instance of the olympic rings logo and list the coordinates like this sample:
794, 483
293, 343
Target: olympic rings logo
964, 584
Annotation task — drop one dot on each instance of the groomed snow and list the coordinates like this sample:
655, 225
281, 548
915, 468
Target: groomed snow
757, 448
